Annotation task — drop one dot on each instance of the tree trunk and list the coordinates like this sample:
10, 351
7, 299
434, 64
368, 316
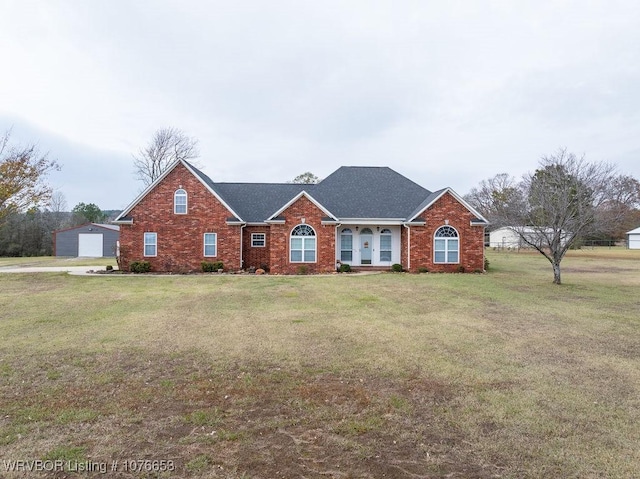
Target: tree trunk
556, 272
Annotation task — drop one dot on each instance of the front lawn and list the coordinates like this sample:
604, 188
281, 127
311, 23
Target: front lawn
391, 375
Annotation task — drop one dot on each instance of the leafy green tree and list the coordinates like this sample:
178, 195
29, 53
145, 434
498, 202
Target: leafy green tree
88, 213
306, 178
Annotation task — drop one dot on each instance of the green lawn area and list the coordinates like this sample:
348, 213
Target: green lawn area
497, 375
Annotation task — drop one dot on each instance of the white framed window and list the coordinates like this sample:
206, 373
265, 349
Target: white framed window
302, 244
446, 245
346, 245
385, 245
258, 240
180, 202
210, 244
151, 244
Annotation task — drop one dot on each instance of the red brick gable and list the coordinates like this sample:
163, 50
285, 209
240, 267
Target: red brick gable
280, 236
446, 210
180, 237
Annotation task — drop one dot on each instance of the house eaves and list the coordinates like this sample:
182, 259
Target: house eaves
97, 225
372, 221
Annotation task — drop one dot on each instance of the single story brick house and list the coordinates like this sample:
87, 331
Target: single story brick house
363, 216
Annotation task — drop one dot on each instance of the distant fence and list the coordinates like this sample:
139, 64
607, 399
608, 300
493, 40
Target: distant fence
604, 243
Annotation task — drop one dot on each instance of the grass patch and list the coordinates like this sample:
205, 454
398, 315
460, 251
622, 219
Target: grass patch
66, 454
210, 418
199, 463
495, 375
67, 416
55, 261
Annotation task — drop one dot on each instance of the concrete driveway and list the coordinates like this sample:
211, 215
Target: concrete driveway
76, 270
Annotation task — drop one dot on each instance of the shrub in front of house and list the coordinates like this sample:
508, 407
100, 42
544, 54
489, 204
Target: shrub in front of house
140, 267
345, 268
303, 269
211, 266
423, 269
396, 268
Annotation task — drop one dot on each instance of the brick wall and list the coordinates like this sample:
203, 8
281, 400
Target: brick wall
325, 239
471, 237
180, 237
256, 257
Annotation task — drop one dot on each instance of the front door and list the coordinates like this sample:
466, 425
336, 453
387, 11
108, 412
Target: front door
366, 246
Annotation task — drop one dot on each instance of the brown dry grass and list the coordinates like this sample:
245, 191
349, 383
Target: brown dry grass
391, 375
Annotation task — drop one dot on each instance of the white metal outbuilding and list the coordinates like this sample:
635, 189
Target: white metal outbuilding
89, 240
633, 239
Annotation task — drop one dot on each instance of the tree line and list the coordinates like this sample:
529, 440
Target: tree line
30, 233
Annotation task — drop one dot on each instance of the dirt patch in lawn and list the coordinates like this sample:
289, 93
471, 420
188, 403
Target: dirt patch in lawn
227, 421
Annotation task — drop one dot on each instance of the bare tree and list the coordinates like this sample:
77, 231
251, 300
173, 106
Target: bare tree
623, 205
58, 202
60, 217
166, 146
23, 170
495, 195
561, 201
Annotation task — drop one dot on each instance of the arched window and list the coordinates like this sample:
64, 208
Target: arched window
446, 245
346, 245
385, 245
180, 202
303, 244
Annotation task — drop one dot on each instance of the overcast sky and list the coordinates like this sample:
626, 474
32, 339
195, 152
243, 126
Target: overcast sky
447, 93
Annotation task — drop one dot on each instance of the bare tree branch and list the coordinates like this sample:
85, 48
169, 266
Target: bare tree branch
166, 146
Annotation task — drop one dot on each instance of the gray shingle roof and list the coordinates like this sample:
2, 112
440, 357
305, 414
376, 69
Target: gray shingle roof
369, 192
256, 202
349, 192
